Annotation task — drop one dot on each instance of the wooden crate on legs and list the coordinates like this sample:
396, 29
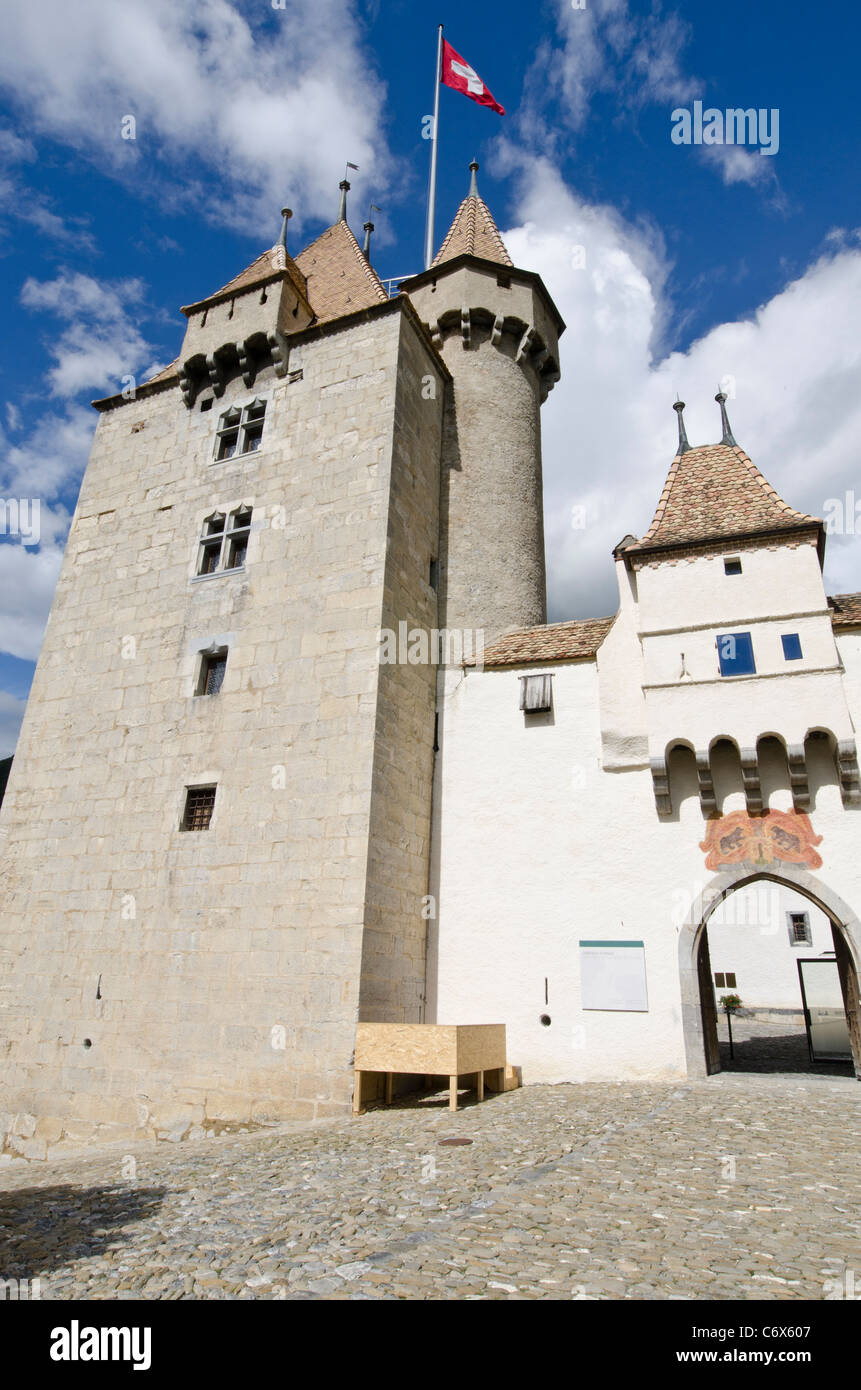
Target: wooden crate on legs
429, 1049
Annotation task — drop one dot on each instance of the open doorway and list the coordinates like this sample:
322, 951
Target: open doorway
778, 1004
773, 965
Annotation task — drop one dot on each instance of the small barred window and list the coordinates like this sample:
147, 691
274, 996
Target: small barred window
212, 668
199, 805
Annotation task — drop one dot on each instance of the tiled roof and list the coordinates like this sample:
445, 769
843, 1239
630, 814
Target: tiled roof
571, 641
714, 491
338, 277
473, 232
845, 610
168, 373
269, 265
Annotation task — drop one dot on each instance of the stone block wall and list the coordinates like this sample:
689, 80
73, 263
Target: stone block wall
156, 981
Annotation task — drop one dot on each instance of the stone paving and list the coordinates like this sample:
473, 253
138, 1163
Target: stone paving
739, 1186
779, 1046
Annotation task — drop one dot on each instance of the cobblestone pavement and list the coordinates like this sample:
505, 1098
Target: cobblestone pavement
739, 1186
772, 1047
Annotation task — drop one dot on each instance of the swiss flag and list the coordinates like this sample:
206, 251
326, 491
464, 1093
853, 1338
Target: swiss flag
457, 73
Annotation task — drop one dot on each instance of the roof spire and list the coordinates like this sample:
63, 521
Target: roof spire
727, 432
369, 227
683, 438
286, 214
473, 181
345, 188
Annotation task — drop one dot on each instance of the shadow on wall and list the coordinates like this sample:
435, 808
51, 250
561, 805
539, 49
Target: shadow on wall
5, 769
47, 1228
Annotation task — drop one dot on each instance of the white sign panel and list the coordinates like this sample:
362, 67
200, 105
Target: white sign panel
613, 976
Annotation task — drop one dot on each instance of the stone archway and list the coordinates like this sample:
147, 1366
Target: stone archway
847, 936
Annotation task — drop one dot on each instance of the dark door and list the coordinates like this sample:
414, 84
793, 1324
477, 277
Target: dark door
707, 1004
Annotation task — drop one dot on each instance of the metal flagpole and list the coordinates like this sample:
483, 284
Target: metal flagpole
432, 191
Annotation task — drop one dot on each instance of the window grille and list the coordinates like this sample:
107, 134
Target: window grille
798, 924
199, 805
212, 668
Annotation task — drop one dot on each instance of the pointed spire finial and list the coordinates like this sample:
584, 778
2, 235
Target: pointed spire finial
369, 227
345, 188
473, 181
724, 418
286, 214
683, 437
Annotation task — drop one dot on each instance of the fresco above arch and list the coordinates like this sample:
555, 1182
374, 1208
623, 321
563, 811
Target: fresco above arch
772, 837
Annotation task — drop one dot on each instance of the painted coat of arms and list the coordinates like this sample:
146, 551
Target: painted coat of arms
741, 838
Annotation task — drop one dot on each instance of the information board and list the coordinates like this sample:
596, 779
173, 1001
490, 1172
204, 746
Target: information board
613, 976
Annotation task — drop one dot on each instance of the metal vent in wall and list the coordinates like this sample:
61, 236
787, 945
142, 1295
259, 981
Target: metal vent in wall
535, 694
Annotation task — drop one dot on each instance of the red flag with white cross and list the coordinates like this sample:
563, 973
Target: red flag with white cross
457, 73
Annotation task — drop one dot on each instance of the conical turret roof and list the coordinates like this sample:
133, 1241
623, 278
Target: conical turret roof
473, 231
715, 492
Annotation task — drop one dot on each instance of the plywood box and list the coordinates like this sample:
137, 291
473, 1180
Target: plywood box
430, 1049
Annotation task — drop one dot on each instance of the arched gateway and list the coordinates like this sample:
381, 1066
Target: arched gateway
698, 1015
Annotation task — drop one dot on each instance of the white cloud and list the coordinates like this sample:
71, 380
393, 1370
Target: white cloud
609, 431
47, 463
639, 58
261, 100
102, 343
11, 714
27, 582
51, 458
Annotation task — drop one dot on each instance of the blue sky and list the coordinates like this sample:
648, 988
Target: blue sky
697, 264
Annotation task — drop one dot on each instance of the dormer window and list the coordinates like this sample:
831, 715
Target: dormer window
240, 431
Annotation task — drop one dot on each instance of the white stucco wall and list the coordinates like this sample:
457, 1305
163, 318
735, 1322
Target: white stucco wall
748, 935
539, 846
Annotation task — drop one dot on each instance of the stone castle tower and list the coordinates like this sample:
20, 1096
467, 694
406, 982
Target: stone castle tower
216, 834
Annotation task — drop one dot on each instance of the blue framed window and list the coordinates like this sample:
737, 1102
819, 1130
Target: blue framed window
791, 646
735, 654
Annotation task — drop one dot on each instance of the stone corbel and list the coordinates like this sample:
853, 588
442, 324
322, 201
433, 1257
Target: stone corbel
216, 378
661, 786
526, 343
546, 382
847, 768
187, 386
246, 363
280, 352
708, 803
436, 333
496, 332
798, 781
465, 326
750, 779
